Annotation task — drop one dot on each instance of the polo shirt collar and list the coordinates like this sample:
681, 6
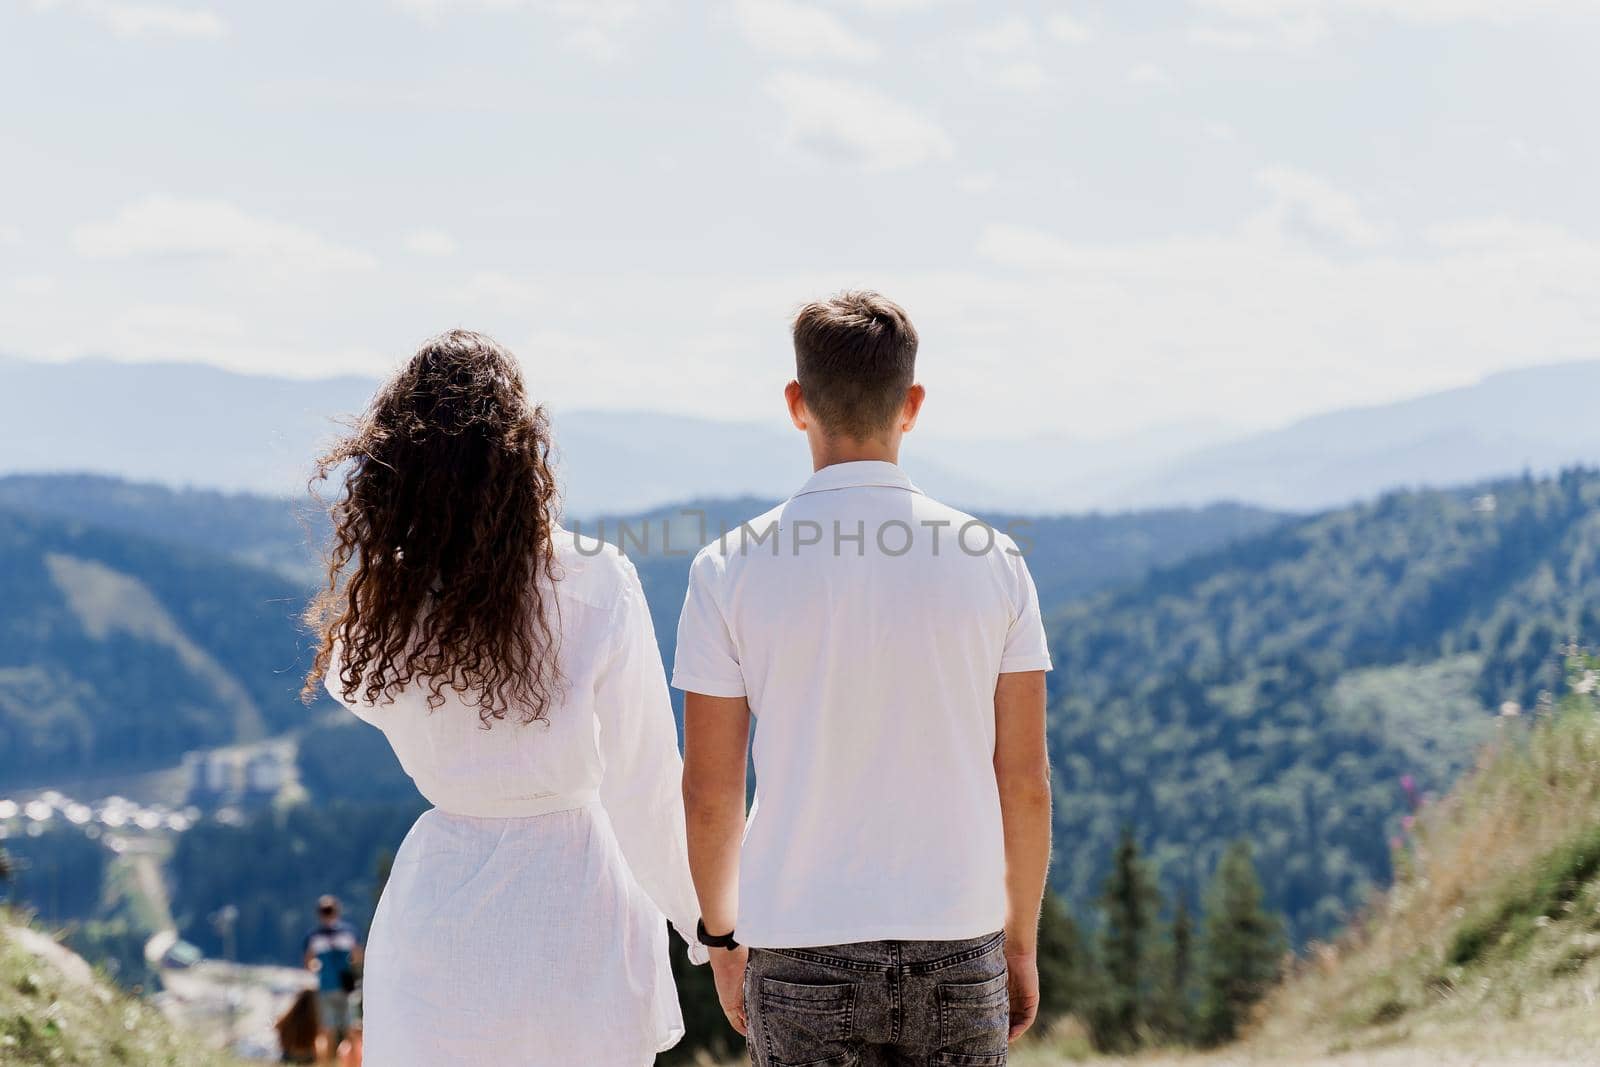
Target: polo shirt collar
861, 473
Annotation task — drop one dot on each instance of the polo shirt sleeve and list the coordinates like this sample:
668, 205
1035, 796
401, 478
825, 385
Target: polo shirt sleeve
706, 660
1026, 648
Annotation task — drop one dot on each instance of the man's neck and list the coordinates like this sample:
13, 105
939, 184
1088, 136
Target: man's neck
827, 451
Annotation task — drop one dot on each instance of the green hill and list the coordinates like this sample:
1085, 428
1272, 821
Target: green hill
118, 651
1282, 688
1487, 947
55, 1010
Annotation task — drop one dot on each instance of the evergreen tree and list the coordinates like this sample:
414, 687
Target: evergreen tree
1129, 905
1065, 974
1176, 1003
1243, 943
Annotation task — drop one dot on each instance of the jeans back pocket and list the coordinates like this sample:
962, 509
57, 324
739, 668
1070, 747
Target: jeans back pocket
802, 1023
974, 1019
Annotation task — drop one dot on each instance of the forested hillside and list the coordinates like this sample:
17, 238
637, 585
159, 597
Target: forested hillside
121, 651
1286, 689
1278, 687
267, 531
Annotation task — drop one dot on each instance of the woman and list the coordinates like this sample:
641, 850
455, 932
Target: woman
514, 670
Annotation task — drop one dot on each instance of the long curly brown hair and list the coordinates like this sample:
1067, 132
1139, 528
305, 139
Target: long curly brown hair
442, 539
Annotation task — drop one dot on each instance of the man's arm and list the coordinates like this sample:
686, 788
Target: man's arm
1022, 770
716, 736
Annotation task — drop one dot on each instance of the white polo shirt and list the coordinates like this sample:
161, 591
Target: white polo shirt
867, 625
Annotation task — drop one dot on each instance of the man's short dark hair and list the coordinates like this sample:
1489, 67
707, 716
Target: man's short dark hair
855, 356
328, 905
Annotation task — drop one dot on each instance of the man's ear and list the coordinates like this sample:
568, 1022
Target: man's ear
913, 407
797, 405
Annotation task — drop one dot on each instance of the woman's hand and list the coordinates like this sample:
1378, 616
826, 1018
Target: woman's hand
727, 967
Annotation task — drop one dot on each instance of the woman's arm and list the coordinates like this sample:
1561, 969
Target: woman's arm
640, 787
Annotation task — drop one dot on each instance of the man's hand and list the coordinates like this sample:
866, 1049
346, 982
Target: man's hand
727, 967
1022, 980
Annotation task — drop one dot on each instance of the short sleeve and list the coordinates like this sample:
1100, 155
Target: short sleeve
1026, 648
706, 661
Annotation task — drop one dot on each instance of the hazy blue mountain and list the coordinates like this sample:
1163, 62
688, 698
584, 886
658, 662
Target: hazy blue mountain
268, 531
1540, 419
176, 423
187, 424
194, 425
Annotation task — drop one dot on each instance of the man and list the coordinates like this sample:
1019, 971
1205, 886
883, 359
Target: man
332, 952
890, 652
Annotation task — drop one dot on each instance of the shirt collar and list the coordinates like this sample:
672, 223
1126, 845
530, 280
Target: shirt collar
865, 472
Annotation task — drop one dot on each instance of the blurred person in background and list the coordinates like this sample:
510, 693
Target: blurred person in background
332, 953
514, 669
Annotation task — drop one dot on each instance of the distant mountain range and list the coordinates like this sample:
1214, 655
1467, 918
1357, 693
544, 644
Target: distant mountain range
1538, 420
1221, 673
140, 621
195, 425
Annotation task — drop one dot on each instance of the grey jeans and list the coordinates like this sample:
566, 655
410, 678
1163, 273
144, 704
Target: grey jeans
879, 1003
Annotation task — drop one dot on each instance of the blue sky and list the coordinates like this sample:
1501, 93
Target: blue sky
1104, 217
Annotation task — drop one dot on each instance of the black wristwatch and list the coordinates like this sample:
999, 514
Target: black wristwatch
722, 941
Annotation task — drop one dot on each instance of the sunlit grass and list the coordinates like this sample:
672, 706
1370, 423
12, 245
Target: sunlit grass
1496, 914
48, 1017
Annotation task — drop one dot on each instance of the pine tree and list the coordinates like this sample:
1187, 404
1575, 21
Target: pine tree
1176, 1003
1129, 904
1243, 944
1065, 973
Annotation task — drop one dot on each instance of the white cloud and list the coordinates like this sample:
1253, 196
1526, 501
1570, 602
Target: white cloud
598, 29
1305, 200
1067, 29
34, 285
500, 290
897, 6
1007, 55
1249, 319
1025, 76
1013, 34
430, 243
10, 236
1504, 234
855, 122
169, 227
1147, 74
1026, 247
800, 31
1229, 39
144, 20
157, 20
1302, 22
978, 184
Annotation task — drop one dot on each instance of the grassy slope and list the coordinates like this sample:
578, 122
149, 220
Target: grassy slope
1486, 950
55, 1014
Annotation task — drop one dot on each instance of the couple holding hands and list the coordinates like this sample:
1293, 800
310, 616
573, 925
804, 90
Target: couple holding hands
878, 658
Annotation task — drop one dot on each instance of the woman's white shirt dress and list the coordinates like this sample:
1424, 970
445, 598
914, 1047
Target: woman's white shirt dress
522, 924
